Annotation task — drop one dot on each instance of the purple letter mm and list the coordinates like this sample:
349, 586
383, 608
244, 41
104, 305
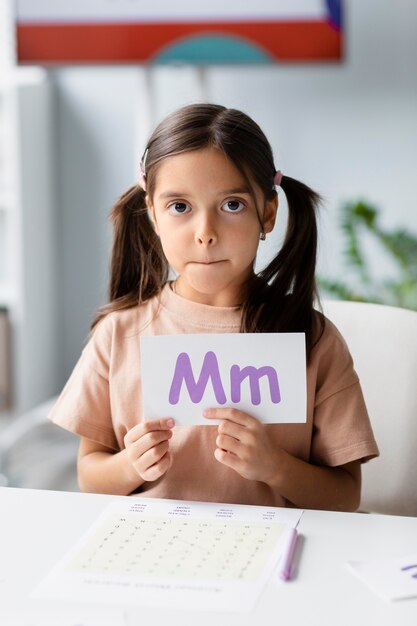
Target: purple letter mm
184, 372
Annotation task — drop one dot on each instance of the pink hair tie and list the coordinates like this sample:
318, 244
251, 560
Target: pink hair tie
278, 178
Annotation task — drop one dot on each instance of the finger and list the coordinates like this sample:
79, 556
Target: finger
229, 444
158, 469
141, 429
233, 415
152, 456
229, 459
226, 427
148, 441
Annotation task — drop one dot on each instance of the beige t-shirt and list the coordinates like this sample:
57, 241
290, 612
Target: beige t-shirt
102, 401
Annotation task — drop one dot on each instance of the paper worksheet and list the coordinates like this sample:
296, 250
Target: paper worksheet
173, 554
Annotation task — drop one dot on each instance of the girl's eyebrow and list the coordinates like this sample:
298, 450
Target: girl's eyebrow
171, 194
224, 192
236, 190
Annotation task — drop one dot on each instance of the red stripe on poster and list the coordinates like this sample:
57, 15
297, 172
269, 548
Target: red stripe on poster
118, 43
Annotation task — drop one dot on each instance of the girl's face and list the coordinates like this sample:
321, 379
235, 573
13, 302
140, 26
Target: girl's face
208, 225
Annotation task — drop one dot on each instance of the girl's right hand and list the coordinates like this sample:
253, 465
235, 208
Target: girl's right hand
147, 448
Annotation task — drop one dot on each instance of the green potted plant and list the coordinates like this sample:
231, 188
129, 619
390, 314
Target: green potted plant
361, 220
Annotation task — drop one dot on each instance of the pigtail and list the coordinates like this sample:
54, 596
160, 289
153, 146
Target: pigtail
283, 294
138, 269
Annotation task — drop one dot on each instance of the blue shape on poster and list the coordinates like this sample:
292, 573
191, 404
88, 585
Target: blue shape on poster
213, 49
334, 8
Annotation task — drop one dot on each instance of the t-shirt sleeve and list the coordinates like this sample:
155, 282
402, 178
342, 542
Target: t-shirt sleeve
342, 430
83, 407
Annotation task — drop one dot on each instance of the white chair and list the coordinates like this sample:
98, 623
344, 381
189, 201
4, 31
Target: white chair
383, 344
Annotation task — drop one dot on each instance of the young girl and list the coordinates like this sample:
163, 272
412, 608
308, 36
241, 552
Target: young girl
207, 195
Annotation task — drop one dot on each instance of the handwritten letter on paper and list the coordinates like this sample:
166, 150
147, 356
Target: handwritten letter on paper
263, 374
183, 373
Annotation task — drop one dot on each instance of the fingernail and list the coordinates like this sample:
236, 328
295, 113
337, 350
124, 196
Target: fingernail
206, 413
170, 422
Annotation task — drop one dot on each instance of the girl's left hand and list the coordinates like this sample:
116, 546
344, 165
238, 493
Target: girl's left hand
244, 445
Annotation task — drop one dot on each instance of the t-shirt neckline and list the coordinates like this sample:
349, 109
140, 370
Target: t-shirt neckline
199, 314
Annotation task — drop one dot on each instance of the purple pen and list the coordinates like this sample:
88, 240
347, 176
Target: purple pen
284, 571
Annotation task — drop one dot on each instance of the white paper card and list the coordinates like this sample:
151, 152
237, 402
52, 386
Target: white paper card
392, 579
263, 374
173, 554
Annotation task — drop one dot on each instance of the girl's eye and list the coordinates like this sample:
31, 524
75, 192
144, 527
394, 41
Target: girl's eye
178, 208
233, 206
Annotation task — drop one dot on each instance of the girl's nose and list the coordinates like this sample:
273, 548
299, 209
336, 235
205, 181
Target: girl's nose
206, 239
206, 233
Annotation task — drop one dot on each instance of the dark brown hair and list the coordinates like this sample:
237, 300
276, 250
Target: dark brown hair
280, 298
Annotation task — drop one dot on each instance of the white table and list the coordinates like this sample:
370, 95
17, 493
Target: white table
38, 527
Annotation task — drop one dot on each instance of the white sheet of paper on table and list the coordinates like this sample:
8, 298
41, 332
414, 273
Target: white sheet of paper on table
392, 579
173, 554
280, 354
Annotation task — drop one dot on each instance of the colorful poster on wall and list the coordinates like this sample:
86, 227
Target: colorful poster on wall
62, 32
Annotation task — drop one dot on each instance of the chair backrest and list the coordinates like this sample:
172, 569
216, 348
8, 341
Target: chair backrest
383, 344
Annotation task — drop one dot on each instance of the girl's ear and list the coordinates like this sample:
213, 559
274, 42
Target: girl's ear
270, 213
152, 214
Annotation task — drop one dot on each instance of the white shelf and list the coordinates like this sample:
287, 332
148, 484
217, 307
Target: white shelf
27, 235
